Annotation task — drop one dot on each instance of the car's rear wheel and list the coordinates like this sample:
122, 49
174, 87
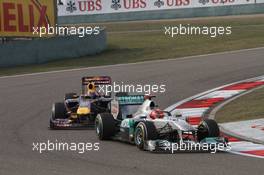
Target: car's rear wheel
105, 126
144, 131
207, 128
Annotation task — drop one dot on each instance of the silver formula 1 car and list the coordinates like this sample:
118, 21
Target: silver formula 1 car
137, 120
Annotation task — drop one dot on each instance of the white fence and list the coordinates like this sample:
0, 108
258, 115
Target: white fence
89, 7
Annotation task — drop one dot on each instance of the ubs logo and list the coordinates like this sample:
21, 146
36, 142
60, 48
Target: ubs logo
116, 4
159, 3
71, 6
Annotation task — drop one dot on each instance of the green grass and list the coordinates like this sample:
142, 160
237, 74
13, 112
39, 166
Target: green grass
247, 107
127, 47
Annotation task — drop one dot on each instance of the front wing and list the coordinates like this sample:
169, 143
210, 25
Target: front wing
68, 124
211, 145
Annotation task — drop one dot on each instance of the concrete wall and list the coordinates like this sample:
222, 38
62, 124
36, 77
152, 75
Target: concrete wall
166, 14
43, 50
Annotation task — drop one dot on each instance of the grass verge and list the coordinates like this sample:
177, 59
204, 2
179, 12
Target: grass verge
148, 42
247, 107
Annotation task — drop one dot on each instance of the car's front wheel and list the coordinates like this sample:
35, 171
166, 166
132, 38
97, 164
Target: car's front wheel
59, 111
144, 131
207, 128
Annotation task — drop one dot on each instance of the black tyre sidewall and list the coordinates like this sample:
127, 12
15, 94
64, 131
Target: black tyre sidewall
105, 122
214, 130
149, 133
99, 126
140, 128
211, 129
59, 111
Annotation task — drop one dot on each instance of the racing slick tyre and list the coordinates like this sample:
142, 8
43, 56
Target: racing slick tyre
144, 131
70, 96
207, 128
105, 126
59, 111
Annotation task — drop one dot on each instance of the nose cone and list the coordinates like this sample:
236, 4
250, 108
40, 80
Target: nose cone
83, 111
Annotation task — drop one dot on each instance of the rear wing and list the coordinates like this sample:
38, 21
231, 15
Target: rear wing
96, 80
131, 99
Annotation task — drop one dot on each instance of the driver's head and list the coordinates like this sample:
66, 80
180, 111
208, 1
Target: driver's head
91, 89
157, 113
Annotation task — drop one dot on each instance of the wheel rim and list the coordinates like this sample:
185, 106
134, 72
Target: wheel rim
139, 136
98, 131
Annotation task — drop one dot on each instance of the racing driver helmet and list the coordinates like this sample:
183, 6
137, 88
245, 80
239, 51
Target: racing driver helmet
91, 90
157, 113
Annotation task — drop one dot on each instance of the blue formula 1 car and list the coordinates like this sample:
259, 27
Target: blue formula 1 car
79, 111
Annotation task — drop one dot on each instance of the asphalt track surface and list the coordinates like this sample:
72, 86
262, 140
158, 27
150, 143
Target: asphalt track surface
25, 106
